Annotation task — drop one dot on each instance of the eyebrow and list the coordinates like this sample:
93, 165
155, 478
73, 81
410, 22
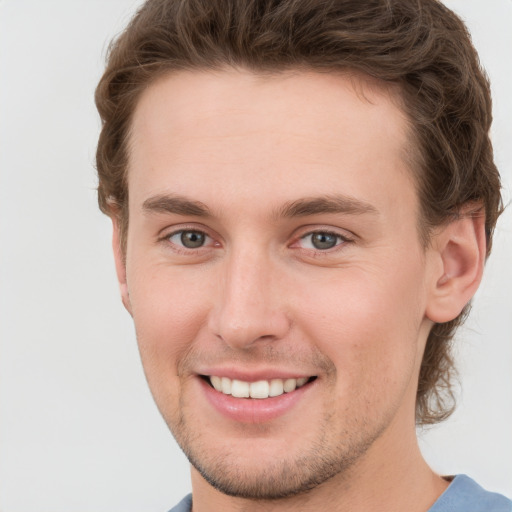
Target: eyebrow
326, 204
170, 203
341, 204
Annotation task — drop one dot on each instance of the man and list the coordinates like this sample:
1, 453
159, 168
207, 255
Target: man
303, 197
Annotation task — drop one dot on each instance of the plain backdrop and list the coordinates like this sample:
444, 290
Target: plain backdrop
78, 428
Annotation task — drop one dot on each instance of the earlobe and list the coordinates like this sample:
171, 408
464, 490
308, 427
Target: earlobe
120, 263
460, 250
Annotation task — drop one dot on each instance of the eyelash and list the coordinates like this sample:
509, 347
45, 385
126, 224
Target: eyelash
182, 249
341, 241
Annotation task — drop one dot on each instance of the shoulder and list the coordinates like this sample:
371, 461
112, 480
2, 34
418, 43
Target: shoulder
185, 505
465, 494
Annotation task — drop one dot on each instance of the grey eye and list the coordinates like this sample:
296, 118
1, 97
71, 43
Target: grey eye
324, 241
190, 239
321, 240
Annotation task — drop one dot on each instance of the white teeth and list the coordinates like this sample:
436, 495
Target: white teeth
226, 385
240, 389
276, 387
289, 385
260, 389
216, 382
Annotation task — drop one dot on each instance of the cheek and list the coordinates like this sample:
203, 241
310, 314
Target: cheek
368, 323
169, 307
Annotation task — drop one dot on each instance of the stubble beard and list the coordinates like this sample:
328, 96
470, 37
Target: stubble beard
332, 454
340, 440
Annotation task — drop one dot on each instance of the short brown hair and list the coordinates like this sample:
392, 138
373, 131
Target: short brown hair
420, 45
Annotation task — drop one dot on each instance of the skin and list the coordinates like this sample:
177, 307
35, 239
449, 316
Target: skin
259, 296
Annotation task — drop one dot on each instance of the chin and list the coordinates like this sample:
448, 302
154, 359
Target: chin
274, 480
271, 469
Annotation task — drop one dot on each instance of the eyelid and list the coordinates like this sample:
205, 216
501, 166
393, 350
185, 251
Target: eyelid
339, 239
318, 228
165, 234
186, 226
346, 236
343, 235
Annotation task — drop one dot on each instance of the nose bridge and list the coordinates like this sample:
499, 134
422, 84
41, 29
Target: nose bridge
249, 307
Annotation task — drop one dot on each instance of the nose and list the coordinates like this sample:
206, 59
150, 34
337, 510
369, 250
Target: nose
250, 305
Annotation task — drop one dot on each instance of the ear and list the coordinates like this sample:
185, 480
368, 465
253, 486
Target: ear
459, 250
120, 262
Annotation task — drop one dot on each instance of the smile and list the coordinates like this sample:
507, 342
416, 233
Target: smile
260, 389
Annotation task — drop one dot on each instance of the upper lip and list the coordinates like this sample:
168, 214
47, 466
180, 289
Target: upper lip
254, 375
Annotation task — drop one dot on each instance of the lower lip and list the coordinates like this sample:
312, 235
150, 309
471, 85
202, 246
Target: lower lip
253, 410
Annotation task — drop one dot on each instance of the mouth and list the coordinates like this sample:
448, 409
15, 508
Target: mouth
260, 389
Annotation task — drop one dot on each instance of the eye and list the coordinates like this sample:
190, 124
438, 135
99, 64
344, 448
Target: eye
189, 239
321, 240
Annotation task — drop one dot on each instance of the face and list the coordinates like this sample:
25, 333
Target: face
275, 273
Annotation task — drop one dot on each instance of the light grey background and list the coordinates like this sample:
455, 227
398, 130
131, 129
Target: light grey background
78, 429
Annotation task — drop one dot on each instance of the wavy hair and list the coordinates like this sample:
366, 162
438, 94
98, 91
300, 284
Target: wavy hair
419, 45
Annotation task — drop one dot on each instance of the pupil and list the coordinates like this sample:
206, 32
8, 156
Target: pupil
324, 240
192, 239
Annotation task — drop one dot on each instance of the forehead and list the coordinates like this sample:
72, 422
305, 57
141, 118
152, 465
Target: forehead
267, 137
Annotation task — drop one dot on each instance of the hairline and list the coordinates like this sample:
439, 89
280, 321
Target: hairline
360, 81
